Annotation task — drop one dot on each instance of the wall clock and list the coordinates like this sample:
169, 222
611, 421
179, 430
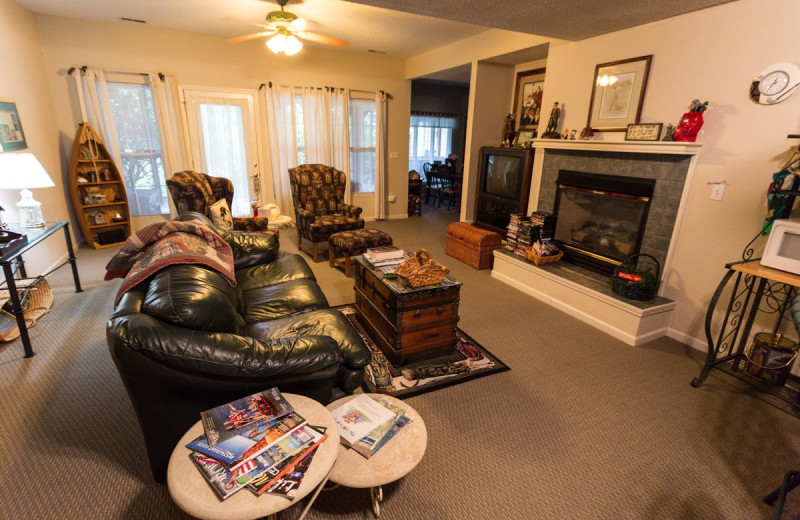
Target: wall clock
775, 83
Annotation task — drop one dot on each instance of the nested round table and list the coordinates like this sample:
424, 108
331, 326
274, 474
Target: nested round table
193, 494
393, 461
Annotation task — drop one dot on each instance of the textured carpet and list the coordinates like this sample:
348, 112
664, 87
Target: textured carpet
469, 360
583, 427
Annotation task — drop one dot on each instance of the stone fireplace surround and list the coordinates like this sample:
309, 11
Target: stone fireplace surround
582, 293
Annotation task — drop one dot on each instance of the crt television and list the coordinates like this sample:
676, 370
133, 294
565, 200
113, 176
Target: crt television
504, 185
783, 246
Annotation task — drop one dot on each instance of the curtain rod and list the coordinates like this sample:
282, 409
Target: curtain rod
83, 68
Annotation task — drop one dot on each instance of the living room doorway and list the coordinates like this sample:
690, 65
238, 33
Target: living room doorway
222, 138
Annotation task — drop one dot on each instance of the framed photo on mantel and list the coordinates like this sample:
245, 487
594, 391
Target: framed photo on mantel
528, 99
618, 94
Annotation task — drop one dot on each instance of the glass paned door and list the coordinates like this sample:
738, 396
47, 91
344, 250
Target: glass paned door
222, 136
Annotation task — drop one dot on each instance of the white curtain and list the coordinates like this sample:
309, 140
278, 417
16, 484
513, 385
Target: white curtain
326, 135
283, 145
381, 136
165, 97
96, 107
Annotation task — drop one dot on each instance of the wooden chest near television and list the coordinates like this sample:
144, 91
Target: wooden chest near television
472, 245
408, 325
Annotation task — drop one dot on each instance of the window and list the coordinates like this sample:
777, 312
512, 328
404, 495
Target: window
134, 116
430, 139
300, 129
363, 118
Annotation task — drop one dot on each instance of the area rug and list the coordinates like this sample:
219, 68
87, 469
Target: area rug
469, 361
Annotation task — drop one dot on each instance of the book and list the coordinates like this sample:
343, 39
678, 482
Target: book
237, 449
288, 484
377, 254
371, 442
399, 425
261, 483
358, 417
216, 474
240, 417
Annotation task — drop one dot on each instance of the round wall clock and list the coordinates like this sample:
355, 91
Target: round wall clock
775, 83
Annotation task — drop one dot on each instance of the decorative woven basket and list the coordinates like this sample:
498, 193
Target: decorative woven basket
539, 260
36, 305
635, 281
418, 271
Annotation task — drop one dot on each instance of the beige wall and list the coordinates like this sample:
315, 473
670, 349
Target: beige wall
25, 83
712, 55
208, 61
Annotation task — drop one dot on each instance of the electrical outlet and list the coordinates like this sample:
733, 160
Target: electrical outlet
718, 191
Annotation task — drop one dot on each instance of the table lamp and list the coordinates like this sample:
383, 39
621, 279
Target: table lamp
20, 171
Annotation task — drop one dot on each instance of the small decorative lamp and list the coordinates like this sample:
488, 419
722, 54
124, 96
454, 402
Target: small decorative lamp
20, 171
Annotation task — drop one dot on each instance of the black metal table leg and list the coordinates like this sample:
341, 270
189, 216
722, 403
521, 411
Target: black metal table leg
16, 309
73, 262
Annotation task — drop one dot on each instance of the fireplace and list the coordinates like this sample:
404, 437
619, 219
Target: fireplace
600, 219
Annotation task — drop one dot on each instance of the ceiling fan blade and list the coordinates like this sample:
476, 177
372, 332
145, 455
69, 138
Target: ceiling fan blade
325, 40
252, 36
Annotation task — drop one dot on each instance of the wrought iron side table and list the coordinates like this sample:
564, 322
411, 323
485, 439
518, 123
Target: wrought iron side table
13, 258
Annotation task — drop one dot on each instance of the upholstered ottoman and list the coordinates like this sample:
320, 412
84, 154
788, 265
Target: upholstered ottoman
472, 245
344, 245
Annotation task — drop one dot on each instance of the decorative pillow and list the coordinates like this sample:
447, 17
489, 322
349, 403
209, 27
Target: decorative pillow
221, 214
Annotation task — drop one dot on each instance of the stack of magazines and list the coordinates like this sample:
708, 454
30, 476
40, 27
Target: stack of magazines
258, 442
367, 423
385, 256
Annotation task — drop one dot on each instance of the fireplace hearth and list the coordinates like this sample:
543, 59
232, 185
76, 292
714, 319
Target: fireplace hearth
600, 219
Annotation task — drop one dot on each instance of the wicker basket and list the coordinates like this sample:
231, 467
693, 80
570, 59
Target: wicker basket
540, 260
417, 271
637, 282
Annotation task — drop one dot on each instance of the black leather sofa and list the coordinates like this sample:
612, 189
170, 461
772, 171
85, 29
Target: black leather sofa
185, 340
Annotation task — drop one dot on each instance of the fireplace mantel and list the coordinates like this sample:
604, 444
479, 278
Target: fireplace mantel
662, 147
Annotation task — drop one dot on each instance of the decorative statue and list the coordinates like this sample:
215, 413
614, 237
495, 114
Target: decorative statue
691, 122
508, 130
551, 132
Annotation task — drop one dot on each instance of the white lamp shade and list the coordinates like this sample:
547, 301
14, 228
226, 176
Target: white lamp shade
20, 170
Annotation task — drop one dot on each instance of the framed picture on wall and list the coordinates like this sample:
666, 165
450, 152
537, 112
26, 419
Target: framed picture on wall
618, 94
11, 135
528, 99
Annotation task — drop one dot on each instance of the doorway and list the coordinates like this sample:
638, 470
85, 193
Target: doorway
223, 136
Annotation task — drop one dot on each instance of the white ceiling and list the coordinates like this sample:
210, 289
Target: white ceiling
397, 28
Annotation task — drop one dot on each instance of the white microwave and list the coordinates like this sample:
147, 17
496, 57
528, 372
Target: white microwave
783, 246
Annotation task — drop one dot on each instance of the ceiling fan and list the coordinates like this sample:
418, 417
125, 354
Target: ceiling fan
287, 30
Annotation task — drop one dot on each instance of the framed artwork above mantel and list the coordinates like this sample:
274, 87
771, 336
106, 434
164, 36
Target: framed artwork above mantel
528, 99
618, 91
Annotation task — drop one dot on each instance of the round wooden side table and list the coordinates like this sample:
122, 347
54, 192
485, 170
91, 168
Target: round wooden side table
393, 461
193, 494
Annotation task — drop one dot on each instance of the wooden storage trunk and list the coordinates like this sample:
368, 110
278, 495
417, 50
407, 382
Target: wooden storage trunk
408, 327
472, 245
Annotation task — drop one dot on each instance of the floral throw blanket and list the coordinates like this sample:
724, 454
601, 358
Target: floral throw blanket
163, 244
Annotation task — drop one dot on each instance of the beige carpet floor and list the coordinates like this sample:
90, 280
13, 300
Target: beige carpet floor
581, 427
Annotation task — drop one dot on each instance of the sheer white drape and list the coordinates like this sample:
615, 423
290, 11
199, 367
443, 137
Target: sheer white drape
381, 168
165, 97
282, 141
325, 139
96, 107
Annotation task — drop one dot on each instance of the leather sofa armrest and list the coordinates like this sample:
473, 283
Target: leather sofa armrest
221, 354
251, 248
350, 210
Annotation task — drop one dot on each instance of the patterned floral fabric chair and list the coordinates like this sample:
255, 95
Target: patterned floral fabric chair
320, 210
195, 191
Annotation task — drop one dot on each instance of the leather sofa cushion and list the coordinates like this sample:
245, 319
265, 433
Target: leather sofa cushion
277, 301
284, 269
194, 297
327, 322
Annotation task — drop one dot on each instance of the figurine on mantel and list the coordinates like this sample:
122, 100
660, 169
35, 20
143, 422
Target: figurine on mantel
552, 125
587, 133
508, 130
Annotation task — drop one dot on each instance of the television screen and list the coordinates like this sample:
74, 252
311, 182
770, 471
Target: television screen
503, 176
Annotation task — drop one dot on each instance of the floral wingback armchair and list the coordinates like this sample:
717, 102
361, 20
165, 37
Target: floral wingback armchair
320, 210
195, 191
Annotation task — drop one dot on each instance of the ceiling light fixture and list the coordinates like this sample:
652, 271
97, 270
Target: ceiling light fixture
285, 42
